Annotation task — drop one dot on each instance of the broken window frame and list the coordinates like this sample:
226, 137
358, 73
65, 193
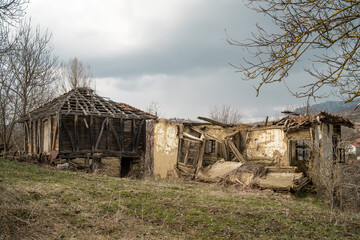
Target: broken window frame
211, 146
301, 149
338, 152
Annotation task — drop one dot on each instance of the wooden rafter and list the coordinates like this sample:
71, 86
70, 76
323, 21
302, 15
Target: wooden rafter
85, 102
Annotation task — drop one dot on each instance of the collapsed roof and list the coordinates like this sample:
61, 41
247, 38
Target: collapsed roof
302, 121
84, 101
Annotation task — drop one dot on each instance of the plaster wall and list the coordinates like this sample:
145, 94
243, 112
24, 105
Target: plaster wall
267, 145
166, 144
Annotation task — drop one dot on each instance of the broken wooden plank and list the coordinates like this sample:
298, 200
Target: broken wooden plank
122, 135
107, 135
224, 152
100, 134
60, 133
69, 135
185, 169
233, 148
185, 134
232, 134
92, 133
214, 122
55, 135
201, 157
133, 136
207, 135
76, 132
116, 136
138, 135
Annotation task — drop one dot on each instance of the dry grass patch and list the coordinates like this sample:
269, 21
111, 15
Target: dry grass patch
39, 203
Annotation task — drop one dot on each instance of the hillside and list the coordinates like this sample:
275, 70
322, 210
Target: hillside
41, 203
337, 107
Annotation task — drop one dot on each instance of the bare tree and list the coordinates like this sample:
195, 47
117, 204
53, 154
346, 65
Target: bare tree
325, 30
10, 12
12, 9
154, 109
9, 107
225, 114
33, 66
26, 76
76, 74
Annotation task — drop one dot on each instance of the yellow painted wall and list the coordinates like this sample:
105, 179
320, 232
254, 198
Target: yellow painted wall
166, 144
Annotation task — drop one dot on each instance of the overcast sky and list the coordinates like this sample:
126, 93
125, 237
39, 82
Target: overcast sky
173, 52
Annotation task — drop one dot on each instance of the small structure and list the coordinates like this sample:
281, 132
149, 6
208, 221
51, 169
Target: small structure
356, 147
281, 156
81, 124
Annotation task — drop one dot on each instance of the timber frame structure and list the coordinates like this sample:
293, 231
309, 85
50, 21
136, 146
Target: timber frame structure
81, 124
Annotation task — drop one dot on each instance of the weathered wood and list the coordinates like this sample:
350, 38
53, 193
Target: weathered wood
60, 133
133, 136
116, 136
186, 169
39, 137
31, 137
232, 134
100, 134
186, 157
201, 157
107, 135
139, 134
82, 108
207, 135
27, 136
55, 135
224, 152
76, 130
69, 135
233, 148
91, 129
122, 140
187, 135
144, 132
214, 122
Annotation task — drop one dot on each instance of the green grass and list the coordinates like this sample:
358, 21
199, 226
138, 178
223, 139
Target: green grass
41, 203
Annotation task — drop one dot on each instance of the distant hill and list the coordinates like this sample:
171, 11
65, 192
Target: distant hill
338, 107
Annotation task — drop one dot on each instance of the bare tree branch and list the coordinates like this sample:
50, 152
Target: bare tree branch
225, 114
306, 28
75, 74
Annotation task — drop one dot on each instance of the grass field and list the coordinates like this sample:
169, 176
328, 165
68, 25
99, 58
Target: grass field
41, 203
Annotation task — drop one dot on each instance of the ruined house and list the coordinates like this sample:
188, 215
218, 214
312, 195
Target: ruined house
282, 155
81, 124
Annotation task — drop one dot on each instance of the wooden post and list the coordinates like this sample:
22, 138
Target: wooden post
116, 136
133, 140
60, 133
201, 156
100, 134
144, 129
55, 135
138, 135
92, 134
76, 132
26, 130
107, 135
122, 140
51, 133
70, 137
39, 136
